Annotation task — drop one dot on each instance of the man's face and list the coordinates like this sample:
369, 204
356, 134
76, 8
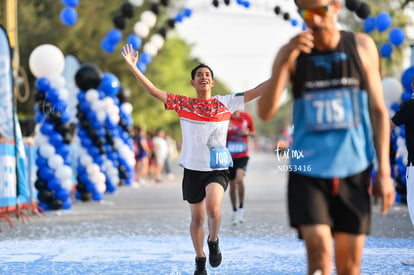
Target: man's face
319, 15
203, 79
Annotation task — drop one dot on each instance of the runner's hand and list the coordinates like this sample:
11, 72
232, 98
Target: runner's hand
130, 56
384, 188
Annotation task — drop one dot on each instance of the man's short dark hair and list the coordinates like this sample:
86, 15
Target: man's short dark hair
201, 65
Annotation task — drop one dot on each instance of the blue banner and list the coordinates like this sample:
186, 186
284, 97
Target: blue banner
9, 126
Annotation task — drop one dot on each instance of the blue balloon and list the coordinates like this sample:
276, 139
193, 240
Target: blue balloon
46, 173
70, 3
145, 58
179, 18
383, 21
396, 36
62, 194
395, 106
56, 139
369, 24
114, 36
46, 128
386, 50
54, 184
42, 84
67, 204
68, 16
405, 96
110, 84
407, 77
135, 41
107, 46
187, 12
142, 67
52, 95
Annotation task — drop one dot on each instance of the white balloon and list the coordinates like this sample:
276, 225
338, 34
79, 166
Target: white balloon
101, 187
57, 81
127, 108
393, 89
136, 3
101, 116
55, 161
92, 95
63, 94
141, 29
149, 18
46, 150
46, 61
150, 49
157, 40
64, 172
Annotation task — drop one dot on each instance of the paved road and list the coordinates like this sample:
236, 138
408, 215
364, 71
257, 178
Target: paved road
145, 231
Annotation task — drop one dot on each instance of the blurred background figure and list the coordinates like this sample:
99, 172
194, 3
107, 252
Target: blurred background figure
241, 127
142, 154
160, 153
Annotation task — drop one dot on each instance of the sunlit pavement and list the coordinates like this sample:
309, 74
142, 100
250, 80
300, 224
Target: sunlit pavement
145, 231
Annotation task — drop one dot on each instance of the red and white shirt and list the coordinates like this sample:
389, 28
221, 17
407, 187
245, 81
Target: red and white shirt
236, 141
204, 124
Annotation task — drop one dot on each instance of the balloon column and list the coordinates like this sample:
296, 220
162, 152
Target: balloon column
52, 132
68, 14
105, 153
399, 152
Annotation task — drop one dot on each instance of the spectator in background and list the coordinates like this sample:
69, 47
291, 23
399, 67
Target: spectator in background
142, 154
160, 153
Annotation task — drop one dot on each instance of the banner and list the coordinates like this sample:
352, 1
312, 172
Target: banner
9, 126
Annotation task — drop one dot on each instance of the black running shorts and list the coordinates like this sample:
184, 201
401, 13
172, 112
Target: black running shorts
240, 163
195, 182
343, 204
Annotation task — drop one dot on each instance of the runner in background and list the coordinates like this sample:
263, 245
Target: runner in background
241, 127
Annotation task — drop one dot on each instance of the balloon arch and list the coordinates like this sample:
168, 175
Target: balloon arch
97, 122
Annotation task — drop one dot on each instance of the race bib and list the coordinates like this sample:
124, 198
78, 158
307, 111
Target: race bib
236, 147
220, 158
330, 110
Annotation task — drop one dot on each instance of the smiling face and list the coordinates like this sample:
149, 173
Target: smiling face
203, 82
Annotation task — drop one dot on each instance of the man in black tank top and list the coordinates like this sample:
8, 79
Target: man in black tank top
338, 101
404, 116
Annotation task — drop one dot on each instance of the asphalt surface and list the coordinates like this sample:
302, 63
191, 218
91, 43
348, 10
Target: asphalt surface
147, 228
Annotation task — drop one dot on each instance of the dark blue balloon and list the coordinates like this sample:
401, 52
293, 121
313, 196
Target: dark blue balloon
383, 21
68, 16
110, 84
55, 139
135, 41
62, 194
386, 50
407, 77
67, 204
396, 36
369, 24
42, 84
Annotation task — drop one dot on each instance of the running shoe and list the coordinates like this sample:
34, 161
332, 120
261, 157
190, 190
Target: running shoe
240, 215
214, 256
234, 218
200, 264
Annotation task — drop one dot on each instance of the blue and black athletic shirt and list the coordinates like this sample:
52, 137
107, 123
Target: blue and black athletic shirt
332, 130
